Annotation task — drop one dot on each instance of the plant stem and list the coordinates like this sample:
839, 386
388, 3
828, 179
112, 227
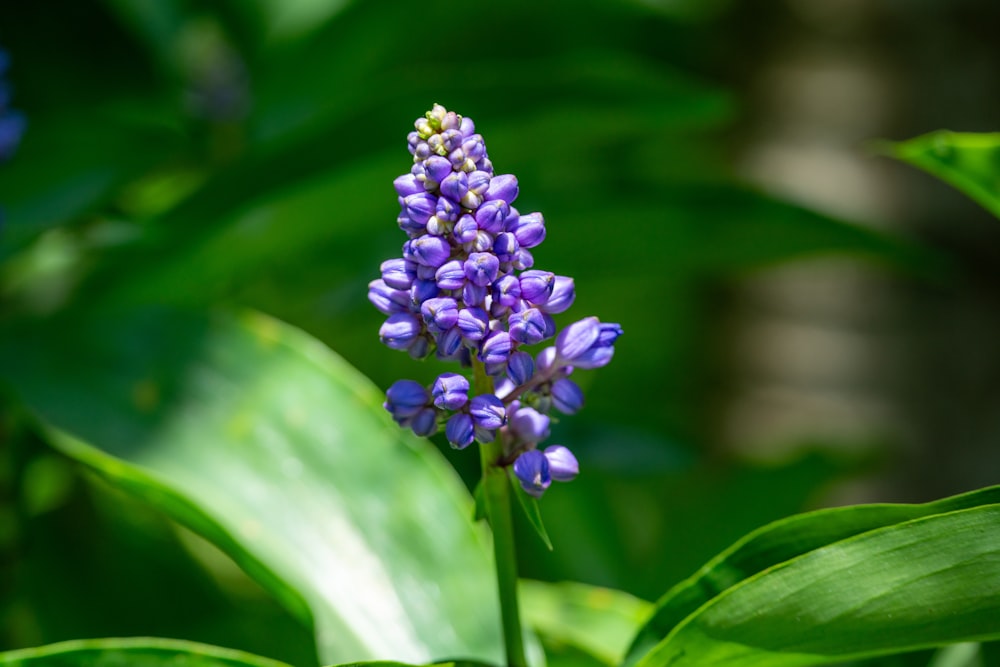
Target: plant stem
496, 498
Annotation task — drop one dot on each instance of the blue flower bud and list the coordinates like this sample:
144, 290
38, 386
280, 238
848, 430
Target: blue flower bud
529, 425
479, 182
398, 273
427, 250
424, 423
447, 210
563, 295
483, 242
455, 186
420, 347
465, 229
451, 275
426, 272
563, 466
473, 323
440, 313
532, 469
529, 230
528, 326
420, 207
423, 290
407, 185
503, 187
496, 348
450, 344
450, 391
587, 343
400, 331
481, 268
387, 299
523, 260
474, 295
505, 246
491, 216
567, 397
405, 398
506, 290
437, 168
536, 286
487, 412
460, 430
410, 226
520, 367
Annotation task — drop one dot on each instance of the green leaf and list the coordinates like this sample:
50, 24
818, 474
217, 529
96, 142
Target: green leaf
782, 541
968, 161
599, 621
530, 506
915, 584
132, 652
273, 448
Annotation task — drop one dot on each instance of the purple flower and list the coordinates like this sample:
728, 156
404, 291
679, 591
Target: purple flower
528, 326
437, 168
450, 275
505, 246
440, 314
398, 273
407, 185
424, 423
502, 187
562, 464
495, 348
520, 367
405, 398
487, 412
587, 343
460, 430
481, 268
473, 323
450, 391
465, 229
562, 297
427, 250
455, 185
529, 230
386, 299
450, 344
423, 290
506, 291
532, 469
567, 397
536, 286
529, 425
491, 216
419, 207
400, 331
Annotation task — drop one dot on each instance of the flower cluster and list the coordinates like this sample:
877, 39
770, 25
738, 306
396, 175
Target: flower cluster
12, 123
465, 289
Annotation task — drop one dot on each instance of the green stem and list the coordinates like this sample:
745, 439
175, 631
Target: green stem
496, 497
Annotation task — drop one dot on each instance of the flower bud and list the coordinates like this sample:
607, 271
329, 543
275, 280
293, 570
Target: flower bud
491, 216
460, 430
424, 423
455, 185
567, 397
503, 187
437, 167
407, 185
420, 207
440, 313
563, 295
427, 250
399, 331
387, 299
506, 290
536, 286
398, 273
532, 469
465, 229
527, 327
496, 348
481, 268
487, 412
405, 398
520, 368
450, 391
529, 425
563, 466
505, 246
450, 275
473, 323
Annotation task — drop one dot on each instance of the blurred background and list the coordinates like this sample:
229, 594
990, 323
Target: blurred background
806, 323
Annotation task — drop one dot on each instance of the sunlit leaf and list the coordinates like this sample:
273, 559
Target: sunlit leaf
920, 583
132, 652
599, 621
779, 542
968, 161
272, 447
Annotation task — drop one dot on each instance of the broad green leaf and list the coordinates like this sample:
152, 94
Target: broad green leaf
599, 621
779, 542
968, 161
273, 448
531, 510
132, 652
915, 584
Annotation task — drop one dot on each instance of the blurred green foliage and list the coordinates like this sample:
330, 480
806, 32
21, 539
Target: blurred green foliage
219, 154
